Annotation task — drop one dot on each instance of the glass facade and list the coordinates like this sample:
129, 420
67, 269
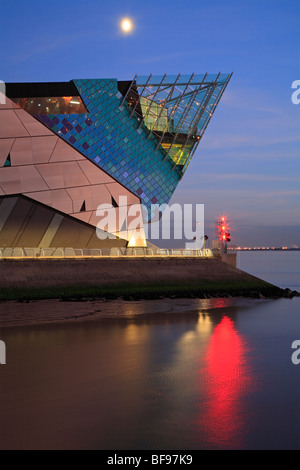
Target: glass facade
179, 151
155, 116
177, 109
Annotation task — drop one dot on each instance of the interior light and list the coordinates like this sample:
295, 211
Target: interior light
132, 241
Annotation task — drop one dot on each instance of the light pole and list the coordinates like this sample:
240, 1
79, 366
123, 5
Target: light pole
223, 234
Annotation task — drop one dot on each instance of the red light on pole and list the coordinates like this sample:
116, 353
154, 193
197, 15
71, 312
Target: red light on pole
223, 232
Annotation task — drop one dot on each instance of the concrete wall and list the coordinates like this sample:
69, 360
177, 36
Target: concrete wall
229, 258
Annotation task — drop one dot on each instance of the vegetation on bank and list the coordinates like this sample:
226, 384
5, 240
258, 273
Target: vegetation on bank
153, 290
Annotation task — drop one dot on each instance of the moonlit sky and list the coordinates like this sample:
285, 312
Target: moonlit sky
248, 163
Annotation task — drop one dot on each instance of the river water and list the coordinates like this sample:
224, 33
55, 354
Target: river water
192, 374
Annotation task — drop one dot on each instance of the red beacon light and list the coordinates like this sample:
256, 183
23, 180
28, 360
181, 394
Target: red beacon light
222, 229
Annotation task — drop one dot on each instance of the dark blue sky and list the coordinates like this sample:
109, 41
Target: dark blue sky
248, 163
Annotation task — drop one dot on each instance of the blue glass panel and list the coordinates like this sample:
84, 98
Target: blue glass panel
108, 136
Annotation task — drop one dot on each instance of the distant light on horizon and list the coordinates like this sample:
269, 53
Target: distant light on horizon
126, 25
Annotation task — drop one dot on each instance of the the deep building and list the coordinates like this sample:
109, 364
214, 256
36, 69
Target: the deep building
68, 147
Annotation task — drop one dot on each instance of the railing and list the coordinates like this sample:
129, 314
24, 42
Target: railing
53, 253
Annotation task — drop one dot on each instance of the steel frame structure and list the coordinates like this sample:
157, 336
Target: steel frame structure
189, 103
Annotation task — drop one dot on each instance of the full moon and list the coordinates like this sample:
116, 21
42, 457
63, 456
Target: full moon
126, 25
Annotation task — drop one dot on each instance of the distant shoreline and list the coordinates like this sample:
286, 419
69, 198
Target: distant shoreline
237, 250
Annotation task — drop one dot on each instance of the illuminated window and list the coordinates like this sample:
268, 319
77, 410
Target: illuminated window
176, 110
52, 105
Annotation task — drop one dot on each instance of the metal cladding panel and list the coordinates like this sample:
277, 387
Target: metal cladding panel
62, 175
109, 136
31, 124
71, 230
5, 148
92, 196
94, 177
121, 195
29, 151
56, 220
14, 222
41, 196
7, 205
36, 226
112, 221
61, 201
82, 236
42, 148
84, 216
21, 179
21, 152
30, 224
11, 125
64, 153
6, 103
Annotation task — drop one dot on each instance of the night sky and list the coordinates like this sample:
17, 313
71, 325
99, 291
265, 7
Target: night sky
248, 163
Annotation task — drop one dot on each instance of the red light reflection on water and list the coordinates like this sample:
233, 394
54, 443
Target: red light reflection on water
227, 378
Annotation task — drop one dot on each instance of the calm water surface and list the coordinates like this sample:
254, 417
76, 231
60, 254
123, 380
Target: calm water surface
201, 378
